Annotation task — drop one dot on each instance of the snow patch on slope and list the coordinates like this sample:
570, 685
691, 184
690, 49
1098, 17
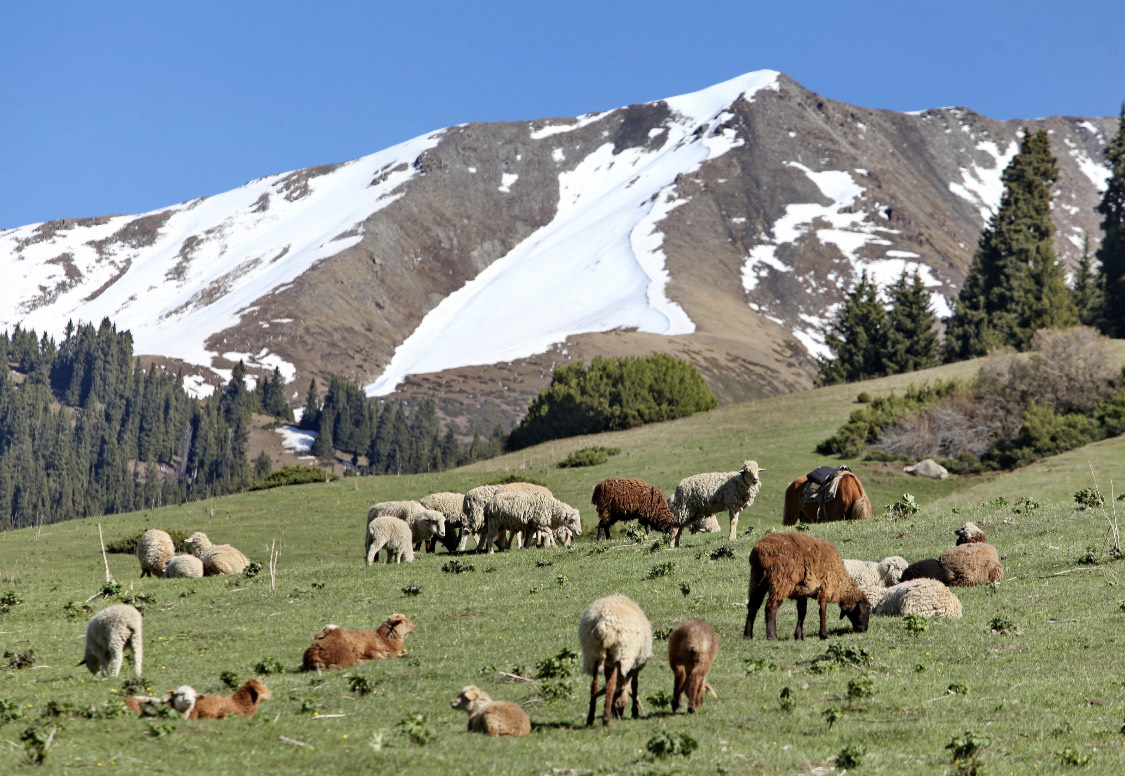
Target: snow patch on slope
985, 186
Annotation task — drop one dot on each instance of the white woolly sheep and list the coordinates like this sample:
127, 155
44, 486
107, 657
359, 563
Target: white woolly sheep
393, 535
452, 505
400, 509
871, 576
473, 508
182, 699
154, 549
424, 523
616, 637
496, 718
217, 558
701, 495
926, 597
184, 567
110, 632
522, 513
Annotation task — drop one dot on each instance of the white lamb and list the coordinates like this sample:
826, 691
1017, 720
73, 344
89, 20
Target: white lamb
154, 549
184, 567
217, 558
392, 534
616, 637
110, 632
424, 523
924, 596
702, 495
872, 575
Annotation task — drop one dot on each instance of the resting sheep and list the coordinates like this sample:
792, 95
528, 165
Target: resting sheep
181, 700
617, 637
702, 495
928, 568
926, 597
243, 702
794, 565
452, 505
976, 563
969, 533
184, 567
217, 558
392, 534
334, 647
496, 718
692, 648
620, 499
154, 549
110, 632
872, 576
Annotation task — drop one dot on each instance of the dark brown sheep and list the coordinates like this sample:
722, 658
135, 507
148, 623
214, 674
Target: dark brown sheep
243, 702
930, 568
334, 647
976, 563
793, 565
620, 499
692, 648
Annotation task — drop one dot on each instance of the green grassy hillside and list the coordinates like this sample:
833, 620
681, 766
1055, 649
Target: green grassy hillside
1046, 692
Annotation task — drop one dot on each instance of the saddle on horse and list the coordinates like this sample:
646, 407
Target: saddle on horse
822, 485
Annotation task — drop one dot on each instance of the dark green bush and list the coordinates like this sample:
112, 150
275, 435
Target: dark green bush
128, 545
295, 475
588, 456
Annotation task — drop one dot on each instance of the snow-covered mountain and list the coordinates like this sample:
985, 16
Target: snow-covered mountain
720, 226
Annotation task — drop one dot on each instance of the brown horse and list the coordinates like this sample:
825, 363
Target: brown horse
851, 502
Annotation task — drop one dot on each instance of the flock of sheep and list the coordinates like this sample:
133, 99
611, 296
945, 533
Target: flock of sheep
615, 634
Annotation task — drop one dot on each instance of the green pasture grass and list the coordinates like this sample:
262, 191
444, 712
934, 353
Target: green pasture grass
1047, 690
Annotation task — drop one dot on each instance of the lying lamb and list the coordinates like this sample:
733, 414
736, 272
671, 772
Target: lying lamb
496, 718
334, 647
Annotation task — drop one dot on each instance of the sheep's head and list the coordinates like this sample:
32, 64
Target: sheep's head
398, 626
255, 690
859, 614
198, 543
437, 521
750, 473
890, 569
182, 699
969, 533
573, 521
470, 697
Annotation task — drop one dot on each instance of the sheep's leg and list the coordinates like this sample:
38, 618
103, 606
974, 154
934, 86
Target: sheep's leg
802, 606
823, 601
612, 674
678, 678
675, 542
633, 687
593, 694
733, 523
757, 595
116, 655
771, 616
136, 644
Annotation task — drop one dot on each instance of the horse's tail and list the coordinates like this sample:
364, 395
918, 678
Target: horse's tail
860, 508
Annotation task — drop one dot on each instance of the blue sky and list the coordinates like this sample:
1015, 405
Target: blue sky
125, 107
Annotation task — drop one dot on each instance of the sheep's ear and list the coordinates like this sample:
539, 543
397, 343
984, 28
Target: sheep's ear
392, 626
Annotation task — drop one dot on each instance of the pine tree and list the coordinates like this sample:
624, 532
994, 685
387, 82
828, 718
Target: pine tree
1111, 252
857, 337
310, 418
912, 341
1015, 284
1087, 289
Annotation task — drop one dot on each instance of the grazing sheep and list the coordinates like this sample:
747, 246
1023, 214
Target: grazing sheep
452, 505
970, 564
702, 495
620, 499
184, 567
522, 513
496, 718
928, 568
872, 576
926, 597
425, 526
617, 637
334, 647
475, 500
692, 648
548, 537
110, 632
969, 533
154, 549
217, 558
794, 565
243, 702
390, 533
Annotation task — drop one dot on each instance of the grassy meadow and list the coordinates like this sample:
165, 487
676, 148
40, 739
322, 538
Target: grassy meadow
1031, 668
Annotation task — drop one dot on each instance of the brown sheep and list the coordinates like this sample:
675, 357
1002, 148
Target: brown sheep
969, 533
244, 702
334, 647
496, 718
793, 565
692, 648
970, 564
620, 499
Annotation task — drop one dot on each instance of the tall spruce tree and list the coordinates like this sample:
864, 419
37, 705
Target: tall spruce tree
1087, 289
1015, 283
857, 337
912, 340
1111, 252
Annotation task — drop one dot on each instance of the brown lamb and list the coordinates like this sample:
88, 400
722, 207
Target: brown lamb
620, 499
930, 568
971, 564
793, 565
692, 648
334, 647
969, 533
496, 718
244, 702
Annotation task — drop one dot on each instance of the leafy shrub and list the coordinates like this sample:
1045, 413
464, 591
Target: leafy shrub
786, 700
18, 660
414, 727
229, 679
904, 507
295, 475
1089, 498
660, 699
756, 664
661, 570
508, 479
9, 711
665, 744
635, 532
612, 394
850, 756
128, 544
831, 716
270, 665
866, 424
915, 624
957, 688
457, 567
861, 687
9, 600
588, 456
1071, 756
359, 684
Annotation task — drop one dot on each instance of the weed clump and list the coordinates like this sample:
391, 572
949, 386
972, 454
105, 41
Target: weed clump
270, 665
665, 744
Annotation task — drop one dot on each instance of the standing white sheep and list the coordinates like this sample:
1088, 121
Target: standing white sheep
617, 637
702, 495
110, 632
522, 513
154, 549
452, 505
424, 523
393, 535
